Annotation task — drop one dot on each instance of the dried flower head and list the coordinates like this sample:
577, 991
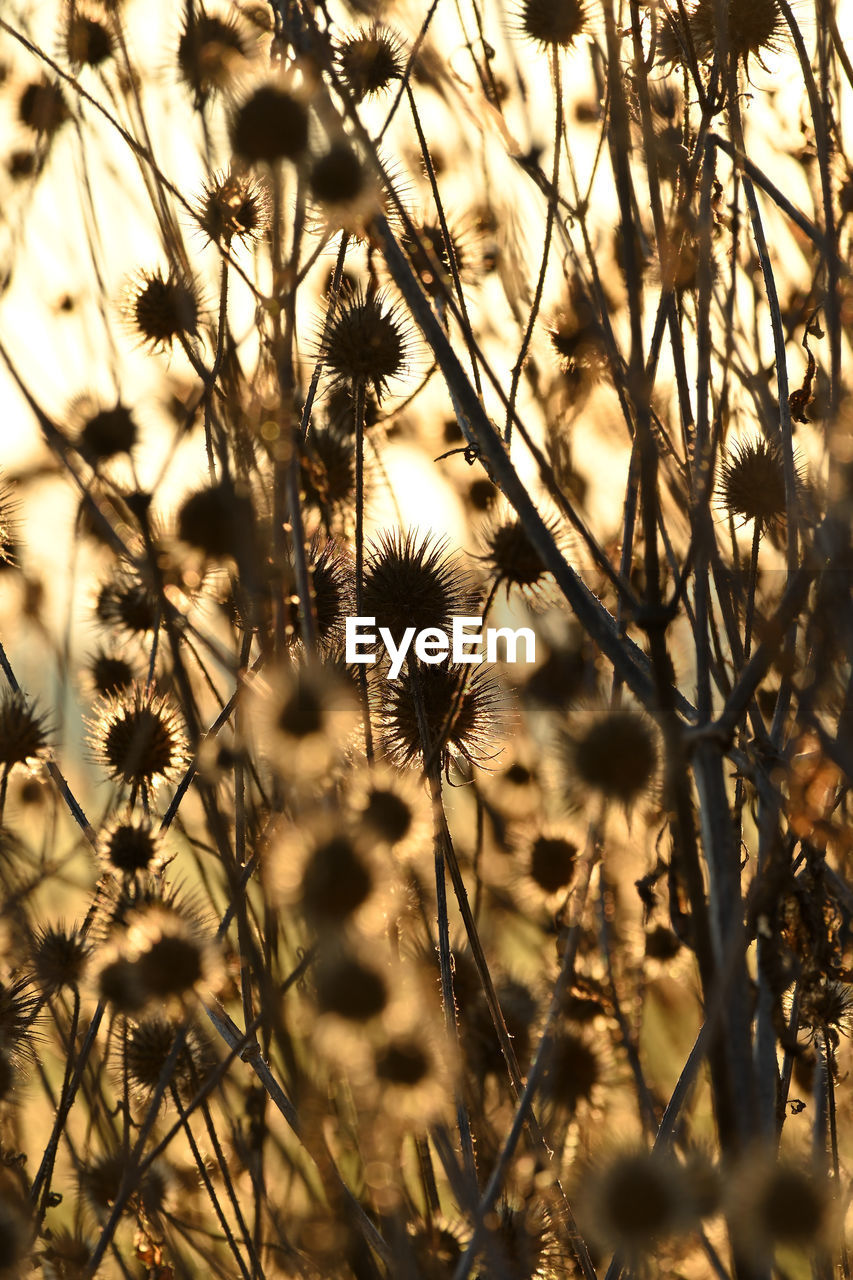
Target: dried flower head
170, 952
370, 61
130, 845
511, 558
149, 1047
42, 107
365, 341
127, 603
332, 588
755, 28
212, 51
60, 955
101, 1179
139, 737
466, 725
161, 308
233, 206
572, 1070
392, 809
327, 468
613, 754
270, 125
87, 38
325, 870
752, 482
413, 581
344, 187
551, 23
428, 252
23, 733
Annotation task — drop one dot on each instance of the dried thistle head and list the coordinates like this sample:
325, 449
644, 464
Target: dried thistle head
87, 39
102, 433
213, 50
755, 28
370, 60
552, 23
301, 718
60, 955
413, 581
42, 107
752, 482
149, 1047
365, 342
139, 737
332, 588
130, 845
161, 309
109, 671
552, 861
23, 730
775, 1203
348, 986
219, 521
637, 1199
465, 725
233, 206
511, 558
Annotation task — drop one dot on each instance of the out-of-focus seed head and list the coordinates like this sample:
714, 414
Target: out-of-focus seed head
777, 1203
338, 176
325, 871
553, 860
42, 107
106, 433
365, 342
130, 845
755, 28
333, 590
349, 987
172, 957
370, 61
637, 1199
138, 737
161, 309
23, 731
572, 1071
109, 673
428, 253
101, 1179
212, 51
613, 755
327, 470
302, 718
219, 521
59, 958
270, 125
128, 604
412, 581
87, 38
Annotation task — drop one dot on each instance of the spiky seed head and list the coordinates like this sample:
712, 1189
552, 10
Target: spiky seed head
332, 587
752, 482
101, 1179
211, 51
349, 987
327, 469
552, 23
59, 957
755, 28
23, 734
553, 860
427, 251
130, 845
128, 604
88, 42
42, 107
233, 206
470, 730
614, 755
412, 581
404, 1061
271, 125
370, 61
365, 342
139, 737
107, 433
161, 308
149, 1046
171, 957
